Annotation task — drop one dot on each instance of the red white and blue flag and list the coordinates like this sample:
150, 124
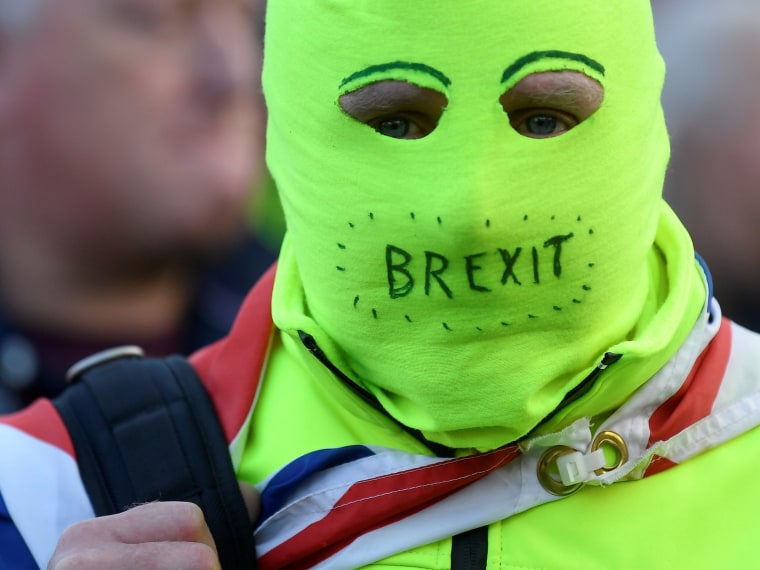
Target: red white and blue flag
348, 507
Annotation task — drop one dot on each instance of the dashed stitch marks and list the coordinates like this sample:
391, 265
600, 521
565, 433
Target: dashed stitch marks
416, 273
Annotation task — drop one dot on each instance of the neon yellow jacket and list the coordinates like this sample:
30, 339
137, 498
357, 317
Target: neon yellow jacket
682, 498
697, 514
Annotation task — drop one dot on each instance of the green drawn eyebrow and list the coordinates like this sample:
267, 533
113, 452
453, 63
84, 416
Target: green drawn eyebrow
550, 54
397, 65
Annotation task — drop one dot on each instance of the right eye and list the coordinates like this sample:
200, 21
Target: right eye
401, 127
396, 109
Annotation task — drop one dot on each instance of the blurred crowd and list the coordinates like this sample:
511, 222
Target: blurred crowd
712, 52
135, 208
131, 146
135, 205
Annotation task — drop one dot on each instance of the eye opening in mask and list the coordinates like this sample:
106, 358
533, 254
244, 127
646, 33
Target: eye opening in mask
396, 109
550, 103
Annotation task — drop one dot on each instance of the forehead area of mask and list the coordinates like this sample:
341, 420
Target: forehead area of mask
445, 45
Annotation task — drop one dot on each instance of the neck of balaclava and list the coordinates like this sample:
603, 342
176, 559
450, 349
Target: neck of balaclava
676, 295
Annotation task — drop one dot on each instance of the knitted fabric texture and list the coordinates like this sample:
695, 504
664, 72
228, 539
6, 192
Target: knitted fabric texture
471, 278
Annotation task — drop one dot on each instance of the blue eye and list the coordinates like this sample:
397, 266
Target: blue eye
396, 128
395, 109
542, 125
548, 104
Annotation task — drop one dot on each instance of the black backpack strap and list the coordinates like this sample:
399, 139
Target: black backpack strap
144, 429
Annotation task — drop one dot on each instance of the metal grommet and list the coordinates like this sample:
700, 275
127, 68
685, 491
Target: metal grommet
617, 443
552, 485
85, 364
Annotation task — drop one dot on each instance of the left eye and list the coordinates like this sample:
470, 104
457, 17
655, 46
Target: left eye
395, 109
397, 128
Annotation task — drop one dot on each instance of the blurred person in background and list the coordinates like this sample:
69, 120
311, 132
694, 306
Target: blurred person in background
712, 51
427, 399
131, 136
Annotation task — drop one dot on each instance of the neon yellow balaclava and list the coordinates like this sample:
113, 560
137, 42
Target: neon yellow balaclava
471, 278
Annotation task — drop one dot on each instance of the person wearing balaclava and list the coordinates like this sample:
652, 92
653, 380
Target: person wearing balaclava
493, 344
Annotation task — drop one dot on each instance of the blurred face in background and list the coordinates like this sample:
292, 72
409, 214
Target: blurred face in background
133, 126
714, 177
